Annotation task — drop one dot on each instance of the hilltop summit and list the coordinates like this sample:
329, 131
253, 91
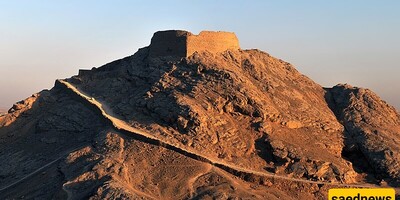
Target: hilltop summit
219, 122
183, 43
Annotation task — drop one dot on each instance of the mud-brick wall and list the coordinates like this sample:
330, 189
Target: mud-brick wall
213, 42
168, 43
184, 44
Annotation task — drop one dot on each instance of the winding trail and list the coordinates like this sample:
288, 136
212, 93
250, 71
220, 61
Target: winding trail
141, 135
63, 155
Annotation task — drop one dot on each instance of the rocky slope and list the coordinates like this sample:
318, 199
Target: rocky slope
372, 130
213, 117
234, 106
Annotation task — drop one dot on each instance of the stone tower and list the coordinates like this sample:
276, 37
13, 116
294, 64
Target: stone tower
183, 43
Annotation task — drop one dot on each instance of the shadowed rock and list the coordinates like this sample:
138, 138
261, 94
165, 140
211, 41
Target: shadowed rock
372, 129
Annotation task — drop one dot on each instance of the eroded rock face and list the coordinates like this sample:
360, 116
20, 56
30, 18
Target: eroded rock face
372, 129
234, 105
38, 131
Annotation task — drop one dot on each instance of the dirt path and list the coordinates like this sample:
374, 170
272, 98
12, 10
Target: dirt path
142, 135
39, 169
190, 182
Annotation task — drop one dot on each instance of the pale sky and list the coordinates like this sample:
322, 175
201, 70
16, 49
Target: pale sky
355, 42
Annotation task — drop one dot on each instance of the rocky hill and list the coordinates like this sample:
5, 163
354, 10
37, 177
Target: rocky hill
196, 124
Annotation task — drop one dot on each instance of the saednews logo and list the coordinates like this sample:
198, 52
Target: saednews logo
362, 194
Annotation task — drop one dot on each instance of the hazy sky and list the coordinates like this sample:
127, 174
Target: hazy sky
355, 42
